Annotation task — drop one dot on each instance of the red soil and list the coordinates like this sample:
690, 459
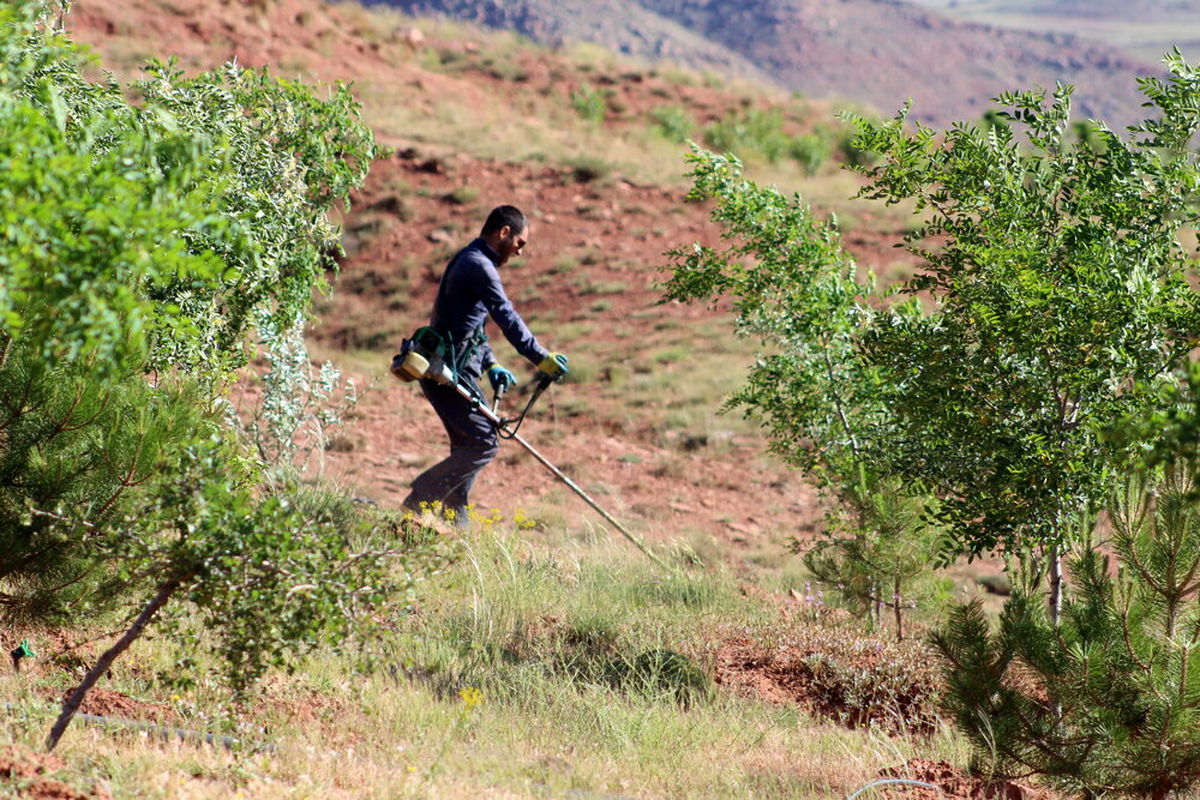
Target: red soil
29, 774
623, 229
118, 705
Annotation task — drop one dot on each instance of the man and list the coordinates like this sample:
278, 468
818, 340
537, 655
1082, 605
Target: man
470, 292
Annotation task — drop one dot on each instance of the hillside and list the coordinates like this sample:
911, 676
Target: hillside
874, 52
618, 25
638, 426
545, 657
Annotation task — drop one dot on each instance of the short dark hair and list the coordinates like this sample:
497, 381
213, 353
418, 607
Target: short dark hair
501, 216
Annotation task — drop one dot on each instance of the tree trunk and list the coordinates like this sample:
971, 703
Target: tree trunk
1056, 581
896, 599
72, 703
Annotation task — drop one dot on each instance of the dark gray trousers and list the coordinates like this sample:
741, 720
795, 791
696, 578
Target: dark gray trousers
473, 445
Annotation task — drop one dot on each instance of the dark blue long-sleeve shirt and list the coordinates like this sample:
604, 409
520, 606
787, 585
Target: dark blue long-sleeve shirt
471, 291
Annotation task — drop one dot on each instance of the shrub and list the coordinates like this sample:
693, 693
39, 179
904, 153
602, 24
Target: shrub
463, 195
1103, 703
834, 670
673, 123
588, 168
811, 151
589, 102
751, 132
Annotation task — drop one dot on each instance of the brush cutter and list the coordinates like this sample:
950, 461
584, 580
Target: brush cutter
423, 356
508, 430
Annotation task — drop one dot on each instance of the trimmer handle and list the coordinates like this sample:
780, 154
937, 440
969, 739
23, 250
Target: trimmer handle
496, 397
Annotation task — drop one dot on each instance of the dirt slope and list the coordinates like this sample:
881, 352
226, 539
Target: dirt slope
669, 481
638, 429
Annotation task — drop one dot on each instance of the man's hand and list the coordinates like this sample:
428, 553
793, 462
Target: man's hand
501, 379
554, 366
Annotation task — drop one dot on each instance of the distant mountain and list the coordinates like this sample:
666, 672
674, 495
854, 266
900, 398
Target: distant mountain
875, 52
621, 25
882, 51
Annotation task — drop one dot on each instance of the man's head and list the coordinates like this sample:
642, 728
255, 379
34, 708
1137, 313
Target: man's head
506, 231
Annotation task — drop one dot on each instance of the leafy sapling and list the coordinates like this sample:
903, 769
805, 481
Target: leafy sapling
267, 578
796, 288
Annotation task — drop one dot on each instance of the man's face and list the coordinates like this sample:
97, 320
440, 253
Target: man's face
511, 244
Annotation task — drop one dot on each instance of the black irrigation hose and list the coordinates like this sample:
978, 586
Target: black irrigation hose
170, 731
895, 782
164, 732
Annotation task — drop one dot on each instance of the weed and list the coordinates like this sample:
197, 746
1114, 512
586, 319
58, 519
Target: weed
463, 195
589, 103
509, 71
589, 287
588, 168
672, 354
615, 103
565, 265
673, 123
811, 151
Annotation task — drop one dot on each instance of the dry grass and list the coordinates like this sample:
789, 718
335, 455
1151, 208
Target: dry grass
536, 627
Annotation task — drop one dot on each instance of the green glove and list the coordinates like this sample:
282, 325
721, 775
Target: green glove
554, 366
501, 379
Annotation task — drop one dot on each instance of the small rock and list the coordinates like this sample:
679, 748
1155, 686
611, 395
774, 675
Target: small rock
414, 38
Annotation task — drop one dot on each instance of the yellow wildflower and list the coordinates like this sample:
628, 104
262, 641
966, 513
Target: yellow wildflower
471, 697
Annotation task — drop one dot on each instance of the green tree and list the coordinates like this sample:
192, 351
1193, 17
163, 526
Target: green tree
1054, 303
796, 288
1053, 309
88, 233
139, 241
142, 244
260, 578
